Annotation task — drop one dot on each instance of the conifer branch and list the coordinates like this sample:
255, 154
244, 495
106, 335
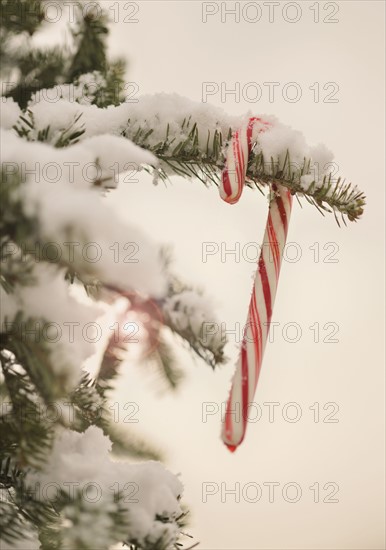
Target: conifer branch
24, 434
188, 159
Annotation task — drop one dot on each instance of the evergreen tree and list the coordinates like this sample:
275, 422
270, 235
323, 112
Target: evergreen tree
41, 374
50, 288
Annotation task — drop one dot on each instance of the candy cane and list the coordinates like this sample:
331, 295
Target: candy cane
264, 290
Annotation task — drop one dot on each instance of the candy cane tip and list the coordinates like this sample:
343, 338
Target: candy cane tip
231, 448
231, 200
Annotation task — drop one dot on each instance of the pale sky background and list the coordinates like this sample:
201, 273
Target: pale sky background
170, 49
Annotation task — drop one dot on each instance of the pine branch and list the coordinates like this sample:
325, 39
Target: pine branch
38, 69
12, 525
34, 376
181, 318
24, 434
163, 543
165, 363
185, 156
112, 92
91, 48
35, 357
18, 16
188, 159
70, 135
45, 68
212, 357
89, 405
20, 510
9, 474
126, 443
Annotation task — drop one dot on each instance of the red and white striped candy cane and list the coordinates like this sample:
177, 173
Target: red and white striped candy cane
236, 162
264, 290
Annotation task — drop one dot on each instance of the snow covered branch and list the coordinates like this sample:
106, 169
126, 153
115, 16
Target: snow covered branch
189, 139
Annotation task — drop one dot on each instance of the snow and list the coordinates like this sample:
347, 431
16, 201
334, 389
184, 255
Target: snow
166, 113
68, 348
79, 224
160, 110
73, 215
99, 157
79, 228
79, 460
279, 138
117, 155
150, 111
31, 543
192, 309
83, 90
306, 181
62, 113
